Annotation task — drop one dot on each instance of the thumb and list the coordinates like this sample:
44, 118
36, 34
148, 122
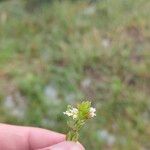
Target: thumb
65, 146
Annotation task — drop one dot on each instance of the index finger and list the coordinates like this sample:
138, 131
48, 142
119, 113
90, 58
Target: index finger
27, 138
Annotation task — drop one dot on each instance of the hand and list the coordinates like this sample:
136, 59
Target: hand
28, 138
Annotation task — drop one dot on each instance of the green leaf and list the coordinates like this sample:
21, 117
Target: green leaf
84, 108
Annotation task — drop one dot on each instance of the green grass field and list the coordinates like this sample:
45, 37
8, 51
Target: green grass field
63, 53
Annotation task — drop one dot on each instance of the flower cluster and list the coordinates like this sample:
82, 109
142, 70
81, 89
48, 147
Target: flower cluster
92, 112
77, 118
72, 112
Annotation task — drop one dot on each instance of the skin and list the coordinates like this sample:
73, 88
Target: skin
29, 138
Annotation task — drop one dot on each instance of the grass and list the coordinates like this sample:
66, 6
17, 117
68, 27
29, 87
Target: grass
76, 51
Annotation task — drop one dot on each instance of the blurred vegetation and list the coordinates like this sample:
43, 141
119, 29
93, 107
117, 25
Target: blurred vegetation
67, 51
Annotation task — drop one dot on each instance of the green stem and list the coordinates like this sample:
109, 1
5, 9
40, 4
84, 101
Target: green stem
73, 134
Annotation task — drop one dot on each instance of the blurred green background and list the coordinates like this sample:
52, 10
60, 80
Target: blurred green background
58, 52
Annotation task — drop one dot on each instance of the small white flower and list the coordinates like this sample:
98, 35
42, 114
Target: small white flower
73, 112
92, 112
75, 116
68, 113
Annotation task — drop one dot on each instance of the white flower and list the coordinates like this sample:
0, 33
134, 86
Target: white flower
92, 112
73, 112
68, 113
75, 116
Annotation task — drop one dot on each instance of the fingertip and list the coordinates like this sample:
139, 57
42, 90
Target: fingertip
81, 146
67, 145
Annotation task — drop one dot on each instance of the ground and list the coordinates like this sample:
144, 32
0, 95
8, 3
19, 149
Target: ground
63, 53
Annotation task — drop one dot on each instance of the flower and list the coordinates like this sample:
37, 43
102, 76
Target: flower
78, 117
92, 112
72, 112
